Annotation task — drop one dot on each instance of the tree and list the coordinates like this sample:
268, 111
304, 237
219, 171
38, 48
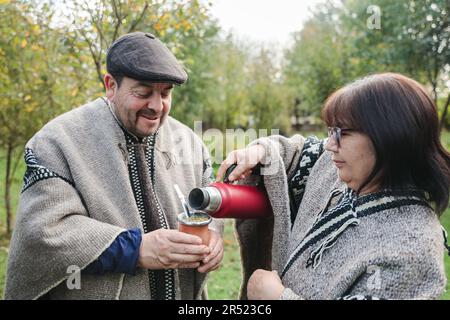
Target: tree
36, 80
266, 92
98, 23
414, 39
317, 64
339, 44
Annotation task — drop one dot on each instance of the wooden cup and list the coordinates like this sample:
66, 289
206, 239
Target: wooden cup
197, 224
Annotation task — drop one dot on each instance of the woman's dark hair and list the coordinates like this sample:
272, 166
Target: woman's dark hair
401, 120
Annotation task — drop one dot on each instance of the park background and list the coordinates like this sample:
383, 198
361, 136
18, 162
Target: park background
52, 59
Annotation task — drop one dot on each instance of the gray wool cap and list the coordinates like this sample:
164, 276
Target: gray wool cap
142, 56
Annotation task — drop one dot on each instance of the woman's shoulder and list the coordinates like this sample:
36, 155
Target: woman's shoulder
412, 227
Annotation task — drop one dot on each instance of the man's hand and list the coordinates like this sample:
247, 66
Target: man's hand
212, 261
171, 249
264, 285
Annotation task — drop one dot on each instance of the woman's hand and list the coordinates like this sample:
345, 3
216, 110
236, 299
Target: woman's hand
246, 159
264, 285
212, 261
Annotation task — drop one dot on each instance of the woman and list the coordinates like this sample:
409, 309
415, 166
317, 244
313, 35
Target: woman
356, 216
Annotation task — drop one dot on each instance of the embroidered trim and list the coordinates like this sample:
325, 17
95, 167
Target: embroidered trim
36, 172
150, 157
445, 235
359, 297
334, 223
169, 275
312, 150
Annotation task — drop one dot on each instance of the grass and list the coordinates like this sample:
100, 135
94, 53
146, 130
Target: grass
223, 283
15, 190
445, 220
3, 258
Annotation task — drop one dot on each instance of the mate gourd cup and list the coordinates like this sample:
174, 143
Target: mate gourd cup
197, 224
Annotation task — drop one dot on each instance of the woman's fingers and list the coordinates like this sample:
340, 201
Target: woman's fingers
212, 264
230, 160
245, 159
239, 172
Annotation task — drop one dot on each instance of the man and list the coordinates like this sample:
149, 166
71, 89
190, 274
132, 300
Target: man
99, 197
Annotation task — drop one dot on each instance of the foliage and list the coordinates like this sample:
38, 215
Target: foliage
96, 24
37, 81
316, 64
37, 77
414, 39
337, 45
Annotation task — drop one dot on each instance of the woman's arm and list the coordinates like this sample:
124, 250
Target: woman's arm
270, 152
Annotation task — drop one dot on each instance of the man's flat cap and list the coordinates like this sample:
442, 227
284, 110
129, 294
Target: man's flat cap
142, 56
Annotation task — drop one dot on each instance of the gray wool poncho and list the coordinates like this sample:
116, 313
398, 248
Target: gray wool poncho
326, 243
83, 186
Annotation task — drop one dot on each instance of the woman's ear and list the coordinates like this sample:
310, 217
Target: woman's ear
110, 85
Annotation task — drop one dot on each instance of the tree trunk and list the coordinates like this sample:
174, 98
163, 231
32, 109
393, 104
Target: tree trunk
98, 67
8, 179
444, 113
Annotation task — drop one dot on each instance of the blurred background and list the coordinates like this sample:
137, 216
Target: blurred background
252, 64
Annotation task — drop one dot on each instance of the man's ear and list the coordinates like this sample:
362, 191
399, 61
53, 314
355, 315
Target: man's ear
110, 85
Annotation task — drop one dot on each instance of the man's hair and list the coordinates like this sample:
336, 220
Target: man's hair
401, 120
118, 78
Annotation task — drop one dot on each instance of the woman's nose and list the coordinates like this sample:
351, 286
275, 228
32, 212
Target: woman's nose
331, 145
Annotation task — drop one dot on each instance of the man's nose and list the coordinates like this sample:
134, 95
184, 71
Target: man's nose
156, 103
331, 145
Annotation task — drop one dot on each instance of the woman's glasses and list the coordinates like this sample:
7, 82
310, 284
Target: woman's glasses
336, 134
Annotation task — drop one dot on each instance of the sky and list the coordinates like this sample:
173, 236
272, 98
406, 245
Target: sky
262, 20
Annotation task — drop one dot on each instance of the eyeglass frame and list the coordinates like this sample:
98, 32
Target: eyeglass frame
336, 133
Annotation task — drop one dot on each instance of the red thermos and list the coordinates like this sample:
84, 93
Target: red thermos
225, 200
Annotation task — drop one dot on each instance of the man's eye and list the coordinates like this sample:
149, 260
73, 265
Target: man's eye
142, 94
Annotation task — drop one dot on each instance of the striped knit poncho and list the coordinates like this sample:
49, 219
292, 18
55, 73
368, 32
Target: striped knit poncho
328, 243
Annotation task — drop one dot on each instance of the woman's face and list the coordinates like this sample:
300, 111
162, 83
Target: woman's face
354, 158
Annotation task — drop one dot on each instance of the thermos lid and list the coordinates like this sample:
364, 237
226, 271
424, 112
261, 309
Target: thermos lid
198, 198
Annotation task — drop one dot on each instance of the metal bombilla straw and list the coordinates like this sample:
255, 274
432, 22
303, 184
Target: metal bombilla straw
183, 201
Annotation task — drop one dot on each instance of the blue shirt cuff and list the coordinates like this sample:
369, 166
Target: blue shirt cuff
121, 256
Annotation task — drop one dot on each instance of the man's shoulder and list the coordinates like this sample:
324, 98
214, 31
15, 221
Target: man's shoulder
83, 114
75, 120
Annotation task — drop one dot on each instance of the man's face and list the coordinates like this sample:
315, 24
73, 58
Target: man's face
141, 106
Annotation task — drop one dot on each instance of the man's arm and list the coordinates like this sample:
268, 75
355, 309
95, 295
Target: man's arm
53, 232
121, 256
